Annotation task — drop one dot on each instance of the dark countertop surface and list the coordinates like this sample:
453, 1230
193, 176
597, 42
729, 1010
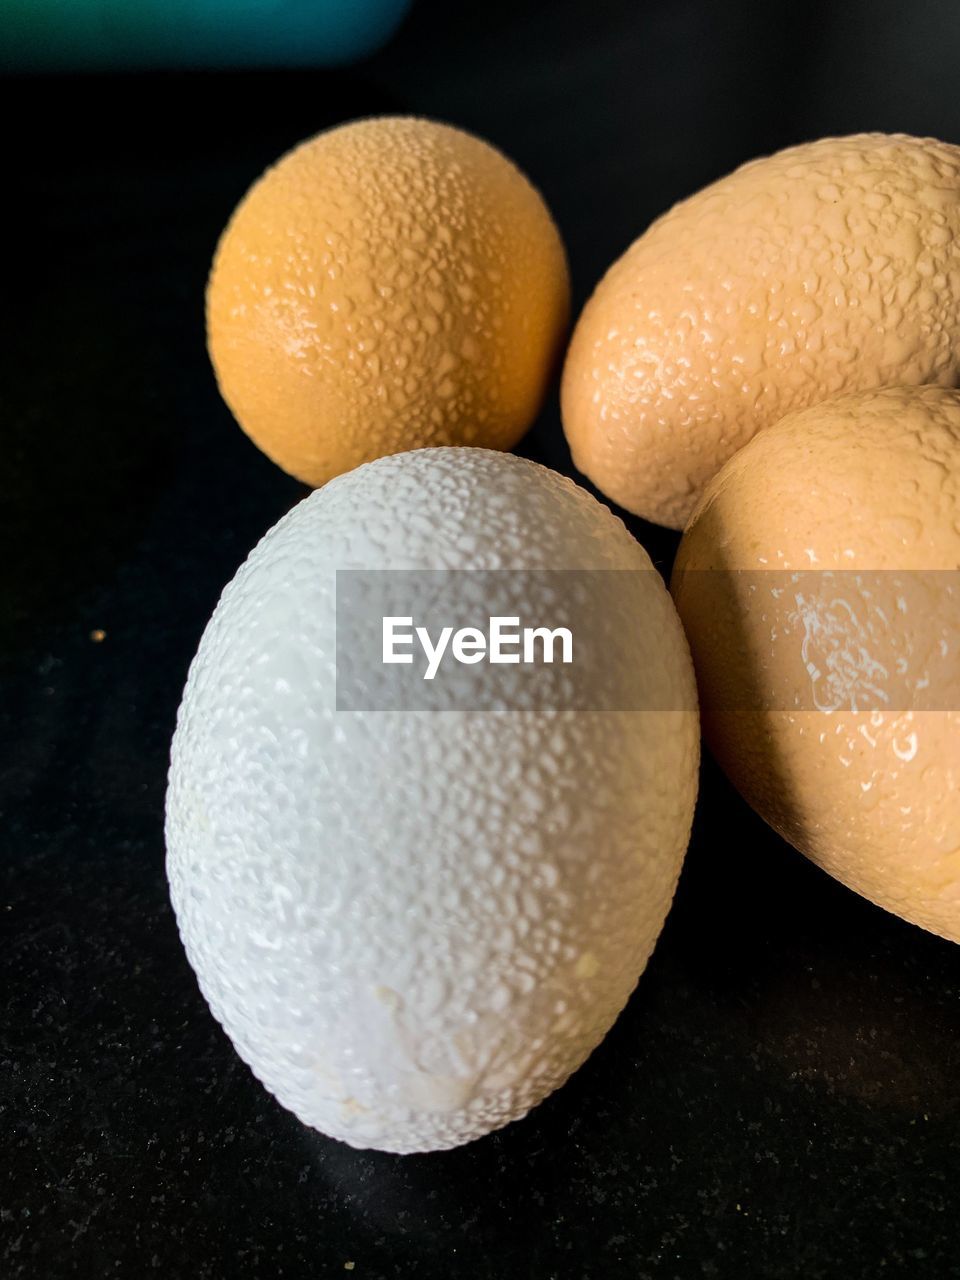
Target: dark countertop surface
781, 1097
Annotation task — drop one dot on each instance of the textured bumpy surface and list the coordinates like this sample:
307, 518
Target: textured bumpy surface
390, 284
810, 667
414, 926
828, 268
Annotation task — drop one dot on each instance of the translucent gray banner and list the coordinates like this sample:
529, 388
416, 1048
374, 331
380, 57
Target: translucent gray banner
601, 640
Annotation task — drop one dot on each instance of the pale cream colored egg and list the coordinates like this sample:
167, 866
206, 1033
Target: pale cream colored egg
828, 268
819, 585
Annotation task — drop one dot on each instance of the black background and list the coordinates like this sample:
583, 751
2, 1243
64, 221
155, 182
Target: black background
780, 1098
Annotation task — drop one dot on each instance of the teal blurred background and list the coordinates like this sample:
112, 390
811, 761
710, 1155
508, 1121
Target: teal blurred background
99, 35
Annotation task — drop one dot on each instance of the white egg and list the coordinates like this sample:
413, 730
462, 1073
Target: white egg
415, 924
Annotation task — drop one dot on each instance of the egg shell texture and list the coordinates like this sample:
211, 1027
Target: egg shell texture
861, 496
413, 926
390, 284
828, 268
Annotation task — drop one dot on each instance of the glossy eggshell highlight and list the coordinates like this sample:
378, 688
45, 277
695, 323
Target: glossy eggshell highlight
817, 583
414, 925
828, 268
390, 284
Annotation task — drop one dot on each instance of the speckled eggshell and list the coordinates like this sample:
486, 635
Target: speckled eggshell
828, 668
390, 284
415, 925
829, 268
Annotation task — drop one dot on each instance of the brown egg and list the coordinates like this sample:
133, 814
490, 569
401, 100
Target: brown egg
819, 585
390, 284
829, 268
